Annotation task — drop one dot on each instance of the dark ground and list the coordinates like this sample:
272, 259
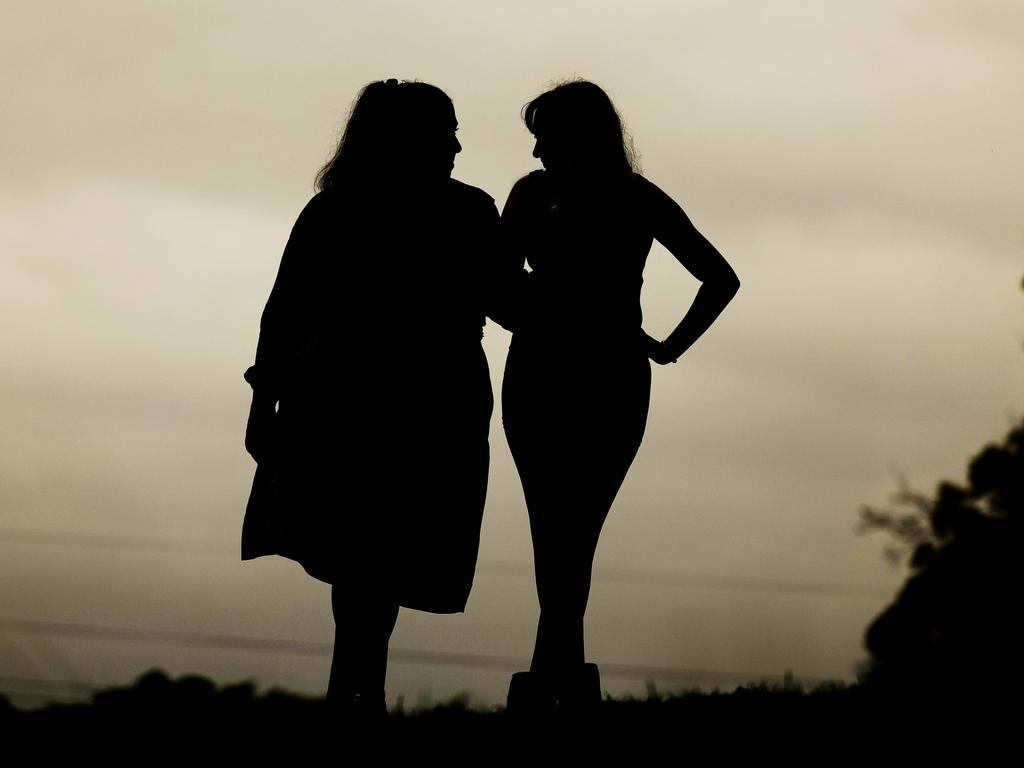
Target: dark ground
191, 718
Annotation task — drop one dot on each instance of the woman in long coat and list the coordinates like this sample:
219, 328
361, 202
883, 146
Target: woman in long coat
371, 393
577, 380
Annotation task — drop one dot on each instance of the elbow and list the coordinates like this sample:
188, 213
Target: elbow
502, 315
732, 284
726, 285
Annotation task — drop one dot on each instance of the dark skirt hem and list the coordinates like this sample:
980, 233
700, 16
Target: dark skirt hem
320, 574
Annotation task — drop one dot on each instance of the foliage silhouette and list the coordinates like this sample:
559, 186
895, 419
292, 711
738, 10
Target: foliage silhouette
952, 630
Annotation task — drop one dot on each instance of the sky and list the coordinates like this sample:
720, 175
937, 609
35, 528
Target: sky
858, 164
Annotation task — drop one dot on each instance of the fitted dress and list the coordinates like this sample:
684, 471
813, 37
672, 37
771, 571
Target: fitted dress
576, 387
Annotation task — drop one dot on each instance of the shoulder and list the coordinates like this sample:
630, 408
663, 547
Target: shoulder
468, 195
644, 187
532, 182
527, 188
653, 198
316, 209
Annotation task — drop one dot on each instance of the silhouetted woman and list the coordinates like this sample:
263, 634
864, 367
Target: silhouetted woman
371, 394
577, 380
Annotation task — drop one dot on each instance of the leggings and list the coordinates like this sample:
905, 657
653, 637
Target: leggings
573, 427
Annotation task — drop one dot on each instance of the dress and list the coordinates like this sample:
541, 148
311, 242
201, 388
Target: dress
576, 386
371, 342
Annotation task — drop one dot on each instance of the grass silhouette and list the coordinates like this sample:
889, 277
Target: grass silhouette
161, 715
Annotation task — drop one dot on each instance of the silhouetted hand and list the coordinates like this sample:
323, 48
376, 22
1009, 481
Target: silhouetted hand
657, 351
260, 428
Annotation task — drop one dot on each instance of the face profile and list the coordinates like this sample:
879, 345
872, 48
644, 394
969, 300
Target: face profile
399, 133
578, 131
556, 153
433, 144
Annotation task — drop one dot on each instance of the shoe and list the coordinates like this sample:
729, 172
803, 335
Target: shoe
357, 705
580, 690
530, 694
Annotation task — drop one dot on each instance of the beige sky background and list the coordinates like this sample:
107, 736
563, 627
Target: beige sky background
859, 164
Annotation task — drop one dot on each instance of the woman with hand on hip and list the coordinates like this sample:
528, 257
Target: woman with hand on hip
577, 379
371, 394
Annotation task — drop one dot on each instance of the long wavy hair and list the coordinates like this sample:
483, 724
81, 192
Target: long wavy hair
376, 141
580, 112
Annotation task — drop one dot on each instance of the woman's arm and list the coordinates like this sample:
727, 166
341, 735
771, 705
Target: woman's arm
673, 229
514, 218
501, 279
511, 280
276, 337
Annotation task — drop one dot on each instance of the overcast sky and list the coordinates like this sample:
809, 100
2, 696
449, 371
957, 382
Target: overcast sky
857, 163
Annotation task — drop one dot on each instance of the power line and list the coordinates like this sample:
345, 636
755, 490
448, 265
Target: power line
118, 541
749, 583
7, 683
164, 637
794, 587
46, 697
310, 648
47, 691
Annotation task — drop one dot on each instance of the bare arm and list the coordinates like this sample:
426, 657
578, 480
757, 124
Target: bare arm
511, 250
719, 283
504, 274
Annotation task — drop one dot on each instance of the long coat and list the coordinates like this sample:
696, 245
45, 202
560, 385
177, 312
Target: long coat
370, 343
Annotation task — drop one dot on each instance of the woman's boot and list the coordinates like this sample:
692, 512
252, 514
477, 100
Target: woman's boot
579, 690
530, 694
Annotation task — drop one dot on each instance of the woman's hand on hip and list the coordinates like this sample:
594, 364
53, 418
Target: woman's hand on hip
657, 351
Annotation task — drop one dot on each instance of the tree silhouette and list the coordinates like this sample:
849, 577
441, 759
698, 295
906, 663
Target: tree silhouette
953, 628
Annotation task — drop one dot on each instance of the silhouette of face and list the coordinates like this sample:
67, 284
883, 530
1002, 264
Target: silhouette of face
454, 147
435, 144
556, 152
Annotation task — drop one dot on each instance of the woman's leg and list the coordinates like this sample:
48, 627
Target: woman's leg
572, 455
363, 626
568, 511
